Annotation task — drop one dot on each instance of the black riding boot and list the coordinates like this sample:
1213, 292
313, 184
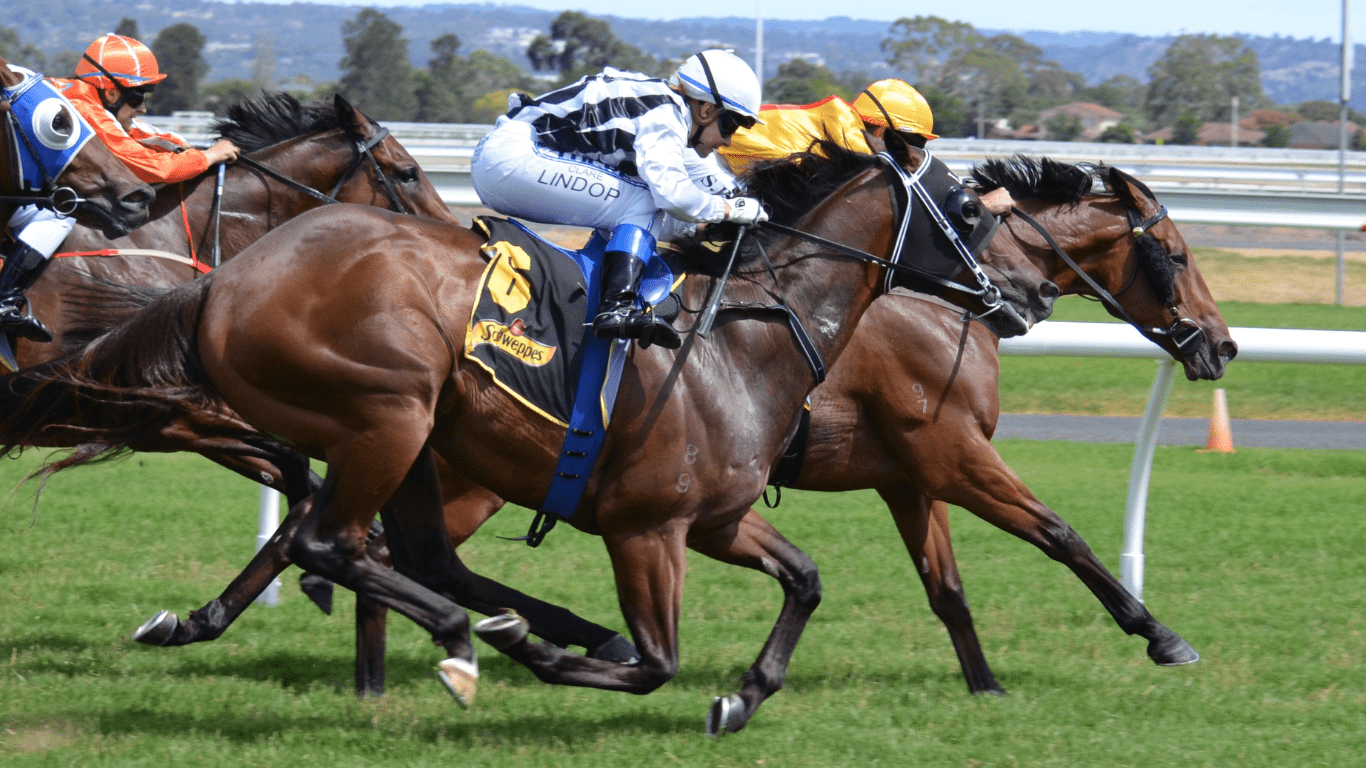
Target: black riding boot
22, 267
618, 317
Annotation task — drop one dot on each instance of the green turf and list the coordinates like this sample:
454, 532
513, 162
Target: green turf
1254, 557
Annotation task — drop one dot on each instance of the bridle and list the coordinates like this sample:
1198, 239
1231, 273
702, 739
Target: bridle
1183, 332
908, 188
364, 151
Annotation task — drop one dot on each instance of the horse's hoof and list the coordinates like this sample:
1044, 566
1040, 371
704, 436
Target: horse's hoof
503, 631
318, 589
1172, 652
727, 715
157, 630
461, 678
618, 650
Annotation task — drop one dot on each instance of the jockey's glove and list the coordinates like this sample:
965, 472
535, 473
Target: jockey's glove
746, 210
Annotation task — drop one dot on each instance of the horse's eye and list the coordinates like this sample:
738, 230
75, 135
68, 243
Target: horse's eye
54, 124
61, 123
409, 175
1181, 259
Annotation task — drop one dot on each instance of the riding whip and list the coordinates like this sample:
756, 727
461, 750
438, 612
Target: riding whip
709, 314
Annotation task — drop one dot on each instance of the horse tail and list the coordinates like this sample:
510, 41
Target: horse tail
112, 395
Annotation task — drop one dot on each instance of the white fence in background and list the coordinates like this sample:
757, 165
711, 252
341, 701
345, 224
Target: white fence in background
1117, 340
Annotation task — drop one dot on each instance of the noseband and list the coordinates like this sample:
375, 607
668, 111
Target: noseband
1184, 332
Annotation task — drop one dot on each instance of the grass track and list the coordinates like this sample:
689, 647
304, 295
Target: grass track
1253, 557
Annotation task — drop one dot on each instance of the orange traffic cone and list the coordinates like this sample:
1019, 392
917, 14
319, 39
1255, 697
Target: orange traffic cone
1220, 432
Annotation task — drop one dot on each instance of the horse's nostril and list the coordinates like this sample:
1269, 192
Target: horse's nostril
1228, 349
1049, 291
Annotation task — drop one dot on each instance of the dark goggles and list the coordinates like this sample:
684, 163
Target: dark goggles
730, 122
135, 97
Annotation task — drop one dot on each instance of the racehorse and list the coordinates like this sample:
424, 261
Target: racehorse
342, 333
93, 185
295, 158
914, 420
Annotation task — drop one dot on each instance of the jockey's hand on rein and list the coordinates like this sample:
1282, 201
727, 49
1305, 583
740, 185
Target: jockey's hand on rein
745, 210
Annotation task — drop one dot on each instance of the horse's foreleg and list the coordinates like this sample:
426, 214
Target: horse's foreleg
995, 494
924, 527
753, 543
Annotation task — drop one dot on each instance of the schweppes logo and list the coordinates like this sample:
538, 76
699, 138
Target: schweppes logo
512, 339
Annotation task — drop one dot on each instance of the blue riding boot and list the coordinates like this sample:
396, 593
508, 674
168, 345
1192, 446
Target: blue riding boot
618, 317
22, 267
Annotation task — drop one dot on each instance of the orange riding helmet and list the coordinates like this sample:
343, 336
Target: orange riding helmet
128, 61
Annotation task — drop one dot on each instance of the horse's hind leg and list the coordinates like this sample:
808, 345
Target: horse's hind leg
753, 543
924, 527
992, 492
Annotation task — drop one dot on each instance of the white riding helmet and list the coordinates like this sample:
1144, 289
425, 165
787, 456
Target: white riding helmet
722, 78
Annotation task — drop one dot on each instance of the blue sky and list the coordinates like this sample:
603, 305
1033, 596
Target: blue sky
1315, 19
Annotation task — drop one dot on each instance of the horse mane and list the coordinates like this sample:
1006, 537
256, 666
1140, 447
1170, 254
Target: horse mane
789, 188
1042, 178
1038, 178
272, 118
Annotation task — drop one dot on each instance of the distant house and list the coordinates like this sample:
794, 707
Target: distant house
1213, 135
1322, 134
1094, 118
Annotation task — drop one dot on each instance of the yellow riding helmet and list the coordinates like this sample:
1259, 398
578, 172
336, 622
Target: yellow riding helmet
129, 62
908, 110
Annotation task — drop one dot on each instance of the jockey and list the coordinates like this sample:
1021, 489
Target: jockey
612, 152
110, 88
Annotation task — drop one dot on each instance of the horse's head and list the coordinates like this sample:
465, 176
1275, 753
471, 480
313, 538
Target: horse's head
1123, 248
947, 238
47, 157
391, 169
333, 150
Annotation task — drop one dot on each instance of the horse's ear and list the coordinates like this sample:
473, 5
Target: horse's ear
352, 120
874, 143
1133, 192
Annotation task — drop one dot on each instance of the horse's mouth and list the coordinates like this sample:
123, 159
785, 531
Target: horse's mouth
99, 213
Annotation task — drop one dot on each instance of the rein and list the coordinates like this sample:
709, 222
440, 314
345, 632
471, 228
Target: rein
363, 152
1183, 332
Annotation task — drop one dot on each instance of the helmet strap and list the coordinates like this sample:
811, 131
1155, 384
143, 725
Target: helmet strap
123, 96
696, 138
891, 126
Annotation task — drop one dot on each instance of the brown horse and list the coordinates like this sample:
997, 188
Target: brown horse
914, 420
342, 334
296, 158
95, 187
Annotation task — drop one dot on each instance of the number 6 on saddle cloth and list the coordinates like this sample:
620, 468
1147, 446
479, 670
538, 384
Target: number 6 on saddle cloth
530, 329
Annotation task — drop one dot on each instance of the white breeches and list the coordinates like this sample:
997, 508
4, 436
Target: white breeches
516, 177
41, 229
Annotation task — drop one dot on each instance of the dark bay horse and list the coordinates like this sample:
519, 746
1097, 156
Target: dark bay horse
99, 191
914, 419
341, 334
296, 158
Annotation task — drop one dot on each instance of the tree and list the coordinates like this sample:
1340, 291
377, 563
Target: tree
452, 84
217, 97
1122, 133
1120, 93
579, 44
922, 44
1186, 130
18, 52
377, 76
1063, 127
179, 51
1276, 135
1202, 73
950, 112
801, 82
128, 27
